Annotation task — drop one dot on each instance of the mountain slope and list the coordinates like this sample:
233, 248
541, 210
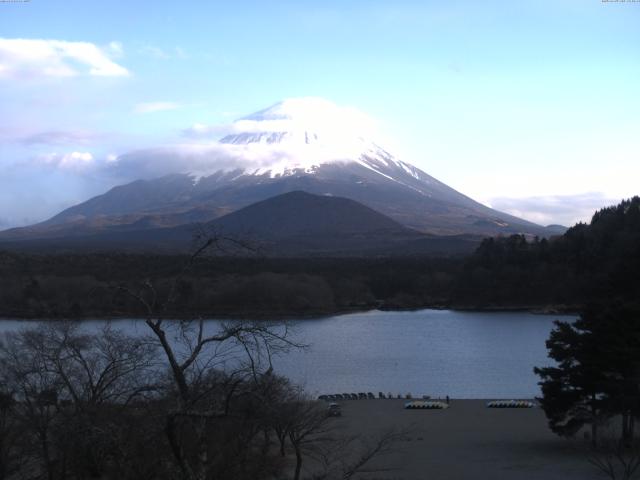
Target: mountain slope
293, 145
288, 225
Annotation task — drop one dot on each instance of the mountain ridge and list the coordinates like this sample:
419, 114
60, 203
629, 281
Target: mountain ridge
292, 145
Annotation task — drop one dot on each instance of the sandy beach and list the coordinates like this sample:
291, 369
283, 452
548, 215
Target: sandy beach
468, 441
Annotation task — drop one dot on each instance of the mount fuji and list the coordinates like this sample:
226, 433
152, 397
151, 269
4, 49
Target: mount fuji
302, 144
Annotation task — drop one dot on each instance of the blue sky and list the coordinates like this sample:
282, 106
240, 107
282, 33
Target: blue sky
529, 106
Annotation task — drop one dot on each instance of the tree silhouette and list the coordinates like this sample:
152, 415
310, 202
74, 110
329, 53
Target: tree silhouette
597, 375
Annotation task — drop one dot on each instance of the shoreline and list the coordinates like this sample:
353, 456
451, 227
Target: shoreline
563, 310
433, 399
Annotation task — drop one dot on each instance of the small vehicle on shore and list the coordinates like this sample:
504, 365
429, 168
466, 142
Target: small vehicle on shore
334, 410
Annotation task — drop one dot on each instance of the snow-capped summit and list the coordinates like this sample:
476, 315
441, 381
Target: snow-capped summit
307, 129
300, 135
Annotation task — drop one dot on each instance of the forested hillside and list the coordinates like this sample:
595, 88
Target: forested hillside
589, 262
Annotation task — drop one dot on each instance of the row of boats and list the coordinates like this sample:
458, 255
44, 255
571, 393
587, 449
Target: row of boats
350, 396
435, 405
365, 396
510, 404
425, 403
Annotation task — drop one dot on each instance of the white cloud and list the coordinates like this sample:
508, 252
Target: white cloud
333, 122
36, 58
201, 130
70, 161
152, 107
203, 159
554, 209
115, 49
198, 159
337, 133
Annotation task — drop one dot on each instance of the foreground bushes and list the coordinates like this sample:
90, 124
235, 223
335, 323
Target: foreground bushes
77, 405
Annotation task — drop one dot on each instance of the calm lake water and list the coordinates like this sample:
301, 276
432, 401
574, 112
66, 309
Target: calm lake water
433, 352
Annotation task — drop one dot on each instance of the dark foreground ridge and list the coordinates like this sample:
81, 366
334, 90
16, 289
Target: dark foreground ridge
294, 224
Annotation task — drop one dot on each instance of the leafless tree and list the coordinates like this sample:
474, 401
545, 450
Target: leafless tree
191, 350
63, 382
35, 391
615, 458
344, 457
93, 368
316, 436
11, 458
308, 426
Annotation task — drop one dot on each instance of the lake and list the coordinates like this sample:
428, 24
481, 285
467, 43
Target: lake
432, 352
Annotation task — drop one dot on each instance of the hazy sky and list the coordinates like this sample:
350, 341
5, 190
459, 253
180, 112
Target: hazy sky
532, 107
